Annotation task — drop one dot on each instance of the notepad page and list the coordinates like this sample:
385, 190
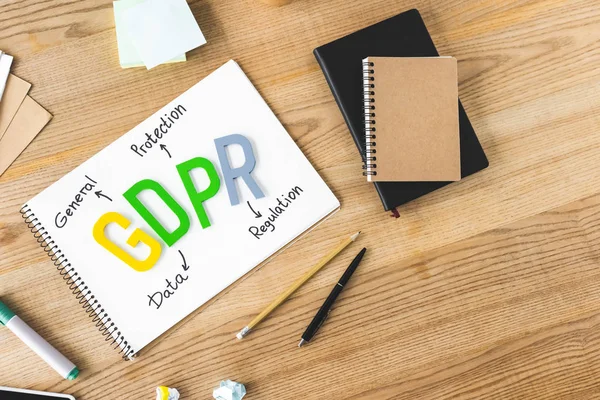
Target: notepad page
203, 261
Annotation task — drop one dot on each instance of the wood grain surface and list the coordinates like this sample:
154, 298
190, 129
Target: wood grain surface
488, 288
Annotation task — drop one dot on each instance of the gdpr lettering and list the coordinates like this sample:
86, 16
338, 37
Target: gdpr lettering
196, 198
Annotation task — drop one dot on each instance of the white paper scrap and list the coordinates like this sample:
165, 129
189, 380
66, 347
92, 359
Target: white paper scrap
5, 63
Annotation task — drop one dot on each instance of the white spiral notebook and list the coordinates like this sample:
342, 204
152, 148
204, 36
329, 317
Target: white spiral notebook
178, 208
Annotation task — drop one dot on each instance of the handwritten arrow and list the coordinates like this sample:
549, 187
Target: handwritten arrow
185, 266
100, 194
256, 214
163, 147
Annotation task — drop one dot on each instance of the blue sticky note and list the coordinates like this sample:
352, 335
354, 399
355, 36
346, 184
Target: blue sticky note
162, 29
128, 54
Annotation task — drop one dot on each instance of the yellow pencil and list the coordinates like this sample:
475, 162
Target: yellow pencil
283, 297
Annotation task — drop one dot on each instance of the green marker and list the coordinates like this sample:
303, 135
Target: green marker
53, 357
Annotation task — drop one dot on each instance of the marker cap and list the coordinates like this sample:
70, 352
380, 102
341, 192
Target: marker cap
6, 313
73, 374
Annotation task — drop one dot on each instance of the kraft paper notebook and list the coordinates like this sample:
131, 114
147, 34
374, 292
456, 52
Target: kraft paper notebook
404, 35
411, 119
178, 209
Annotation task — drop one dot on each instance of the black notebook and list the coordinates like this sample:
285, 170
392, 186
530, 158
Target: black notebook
404, 35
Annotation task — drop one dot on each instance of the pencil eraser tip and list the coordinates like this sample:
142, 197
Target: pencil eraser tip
242, 333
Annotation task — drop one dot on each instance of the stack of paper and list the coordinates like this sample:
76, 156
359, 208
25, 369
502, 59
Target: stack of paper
5, 63
154, 32
21, 119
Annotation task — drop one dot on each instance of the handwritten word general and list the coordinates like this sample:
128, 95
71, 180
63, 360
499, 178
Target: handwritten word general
61, 219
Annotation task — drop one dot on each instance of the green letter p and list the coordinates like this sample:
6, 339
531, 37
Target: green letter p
198, 198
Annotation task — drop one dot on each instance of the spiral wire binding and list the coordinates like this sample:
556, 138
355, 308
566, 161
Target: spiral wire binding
76, 285
369, 114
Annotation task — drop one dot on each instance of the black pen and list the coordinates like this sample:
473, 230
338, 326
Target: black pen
323, 312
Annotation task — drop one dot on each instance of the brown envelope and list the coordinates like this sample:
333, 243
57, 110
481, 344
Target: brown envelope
27, 123
14, 94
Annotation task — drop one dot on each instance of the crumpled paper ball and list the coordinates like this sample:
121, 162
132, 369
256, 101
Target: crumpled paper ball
229, 390
165, 393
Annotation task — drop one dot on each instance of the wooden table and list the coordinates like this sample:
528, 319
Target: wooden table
489, 287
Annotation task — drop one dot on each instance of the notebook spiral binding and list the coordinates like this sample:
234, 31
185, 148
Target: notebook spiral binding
77, 286
369, 114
